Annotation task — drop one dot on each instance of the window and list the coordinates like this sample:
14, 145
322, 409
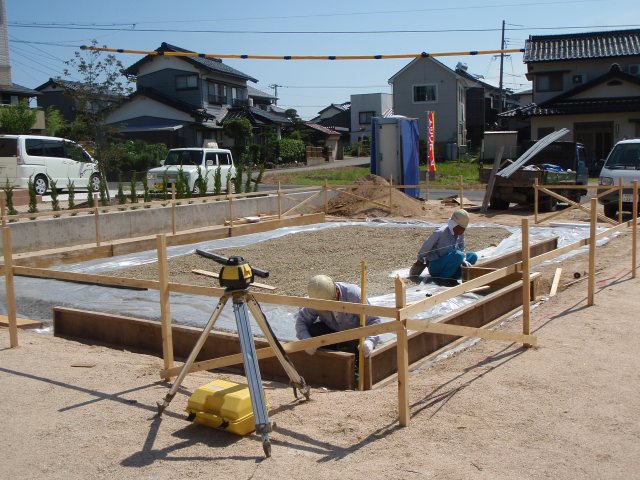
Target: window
216, 93
34, 147
424, 93
365, 117
223, 159
210, 156
549, 82
54, 148
186, 82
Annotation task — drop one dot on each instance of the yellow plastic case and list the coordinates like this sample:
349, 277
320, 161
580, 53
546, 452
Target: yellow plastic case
225, 405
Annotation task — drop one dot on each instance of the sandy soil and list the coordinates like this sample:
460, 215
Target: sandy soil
567, 409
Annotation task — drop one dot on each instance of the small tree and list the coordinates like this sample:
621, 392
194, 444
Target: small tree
202, 181
104, 200
227, 181
17, 119
146, 196
165, 187
217, 181
90, 201
237, 184
71, 188
54, 121
8, 197
133, 195
182, 185
33, 196
55, 204
247, 183
122, 199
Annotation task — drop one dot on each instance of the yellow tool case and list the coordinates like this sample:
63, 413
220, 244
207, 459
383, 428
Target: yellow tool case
225, 405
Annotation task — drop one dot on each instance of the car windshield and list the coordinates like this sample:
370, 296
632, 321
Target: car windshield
625, 155
184, 157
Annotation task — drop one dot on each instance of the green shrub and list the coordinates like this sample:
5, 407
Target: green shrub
217, 181
237, 183
122, 199
146, 196
202, 181
55, 203
292, 150
71, 188
90, 201
8, 196
247, 183
104, 201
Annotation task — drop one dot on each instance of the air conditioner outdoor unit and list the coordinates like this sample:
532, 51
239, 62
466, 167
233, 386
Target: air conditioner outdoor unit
579, 79
634, 69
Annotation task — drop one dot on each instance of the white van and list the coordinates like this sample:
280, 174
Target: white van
189, 160
622, 163
45, 158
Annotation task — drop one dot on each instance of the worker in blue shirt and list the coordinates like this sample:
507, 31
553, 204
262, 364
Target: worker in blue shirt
443, 251
313, 323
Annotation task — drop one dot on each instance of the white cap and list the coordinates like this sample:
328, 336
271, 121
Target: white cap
461, 217
322, 287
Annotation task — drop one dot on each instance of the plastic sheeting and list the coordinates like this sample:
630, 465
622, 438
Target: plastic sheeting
36, 297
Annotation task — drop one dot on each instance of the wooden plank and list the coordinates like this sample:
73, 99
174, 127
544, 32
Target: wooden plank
592, 255
165, 304
207, 273
556, 281
526, 275
23, 323
308, 199
104, 280
634, 230
462, 331
9, 286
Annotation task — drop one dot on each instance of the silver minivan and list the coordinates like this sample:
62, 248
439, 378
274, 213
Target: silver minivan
43, 158
622, 163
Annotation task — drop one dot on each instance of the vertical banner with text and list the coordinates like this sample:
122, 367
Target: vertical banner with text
431, 141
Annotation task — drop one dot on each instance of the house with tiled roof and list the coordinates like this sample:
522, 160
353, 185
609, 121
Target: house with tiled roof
586, 82
181, 100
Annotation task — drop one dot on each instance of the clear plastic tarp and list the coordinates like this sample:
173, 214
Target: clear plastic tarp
36, 297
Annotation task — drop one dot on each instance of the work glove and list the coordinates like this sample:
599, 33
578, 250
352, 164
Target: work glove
310, 350
367, 348
416, 269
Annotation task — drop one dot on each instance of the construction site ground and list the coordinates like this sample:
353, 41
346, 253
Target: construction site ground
565, 409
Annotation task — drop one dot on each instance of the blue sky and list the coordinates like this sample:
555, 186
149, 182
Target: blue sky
43, 34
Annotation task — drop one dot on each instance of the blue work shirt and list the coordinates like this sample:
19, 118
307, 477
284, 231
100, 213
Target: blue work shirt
440, 243
337, 321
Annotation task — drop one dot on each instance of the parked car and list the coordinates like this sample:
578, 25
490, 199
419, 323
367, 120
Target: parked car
623, 162
208, 160
43, 159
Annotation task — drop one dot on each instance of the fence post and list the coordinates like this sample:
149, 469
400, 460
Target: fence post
326, 196
8, 277
363, 318
279, 202
461, 192
620, 190
97, 218
535, 201
634, 230
165, 304
526, 280
592, 253
390, 192
402, 356
230, 200
173, 208
426, 195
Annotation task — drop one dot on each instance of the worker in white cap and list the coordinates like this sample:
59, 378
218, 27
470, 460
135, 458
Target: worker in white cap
313, 323
443, 251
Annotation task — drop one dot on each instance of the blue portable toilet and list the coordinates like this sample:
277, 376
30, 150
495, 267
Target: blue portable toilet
394, 151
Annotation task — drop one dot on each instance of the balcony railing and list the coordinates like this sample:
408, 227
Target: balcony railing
218, 99
240, 102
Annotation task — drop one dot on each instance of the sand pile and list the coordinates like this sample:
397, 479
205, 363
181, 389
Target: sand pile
358, 200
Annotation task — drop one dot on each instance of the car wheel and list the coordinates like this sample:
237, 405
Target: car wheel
40, 184
610, 210
196, 188
95, 182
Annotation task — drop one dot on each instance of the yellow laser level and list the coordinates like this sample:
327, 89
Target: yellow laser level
236, 274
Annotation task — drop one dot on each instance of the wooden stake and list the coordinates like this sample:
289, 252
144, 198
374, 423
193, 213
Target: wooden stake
363, 317
620, 190
165, 304
634, 230
8, 278
173, 208
402, 348
326, 196
390, 192
426, 195
535, 201
97, 217
280, 202
3, 210
461, 192
556, 281
526, 279
230, 200
592, 254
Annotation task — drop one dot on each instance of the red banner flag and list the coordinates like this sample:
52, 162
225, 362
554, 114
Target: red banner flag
431, 140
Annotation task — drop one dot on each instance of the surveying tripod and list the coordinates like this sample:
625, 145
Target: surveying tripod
236, 276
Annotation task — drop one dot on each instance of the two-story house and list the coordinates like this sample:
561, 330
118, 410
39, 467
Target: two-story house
586, 82
181, 100
364, 107
426, 84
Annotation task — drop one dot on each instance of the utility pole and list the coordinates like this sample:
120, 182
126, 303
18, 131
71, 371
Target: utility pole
275, 93
501, 95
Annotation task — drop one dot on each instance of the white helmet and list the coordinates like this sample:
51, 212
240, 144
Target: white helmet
322, 287
461, 217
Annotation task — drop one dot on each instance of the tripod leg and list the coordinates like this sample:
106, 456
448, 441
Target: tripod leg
252, 372
192, 356
296, 380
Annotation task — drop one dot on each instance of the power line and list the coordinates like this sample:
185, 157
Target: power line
306, 32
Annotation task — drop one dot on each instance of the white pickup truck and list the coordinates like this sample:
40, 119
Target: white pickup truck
189, 160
